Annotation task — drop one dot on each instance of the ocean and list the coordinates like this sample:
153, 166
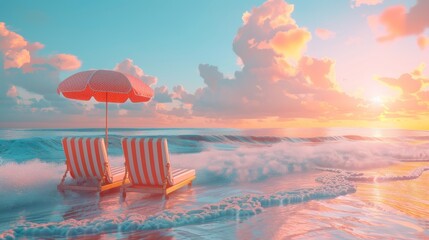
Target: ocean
295, 183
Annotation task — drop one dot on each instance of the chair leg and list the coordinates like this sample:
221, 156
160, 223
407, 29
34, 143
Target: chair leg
164, 190
123, 193
165, 196
125, 175
100, 183
60, 186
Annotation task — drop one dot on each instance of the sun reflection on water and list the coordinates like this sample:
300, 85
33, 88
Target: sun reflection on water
409, 197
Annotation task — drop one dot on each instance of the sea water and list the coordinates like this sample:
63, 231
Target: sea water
251, 184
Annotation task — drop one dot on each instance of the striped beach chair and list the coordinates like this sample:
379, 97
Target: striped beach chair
147, 166
86, 160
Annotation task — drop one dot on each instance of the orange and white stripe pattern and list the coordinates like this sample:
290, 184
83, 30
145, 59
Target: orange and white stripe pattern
86, 157
147, 161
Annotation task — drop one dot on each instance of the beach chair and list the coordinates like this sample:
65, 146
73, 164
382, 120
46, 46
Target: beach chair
147, 165
86, 160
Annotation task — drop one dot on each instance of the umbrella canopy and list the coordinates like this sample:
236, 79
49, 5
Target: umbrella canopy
105, 86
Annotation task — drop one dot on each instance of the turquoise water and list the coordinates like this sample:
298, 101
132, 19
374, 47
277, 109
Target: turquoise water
251, 184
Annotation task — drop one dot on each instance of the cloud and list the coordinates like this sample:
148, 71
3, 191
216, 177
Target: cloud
180, 93
19, 53
64, 62
162, 95
291, 43
276, 79
16, 58
29, 85
122, 112
358, 3
407, 83
128, 66
164, 104
324, 34
414, 97
12, 92
423, 42
318, 72
29, 81
397, 22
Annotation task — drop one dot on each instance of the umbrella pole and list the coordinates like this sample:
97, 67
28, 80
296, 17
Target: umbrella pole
107, 139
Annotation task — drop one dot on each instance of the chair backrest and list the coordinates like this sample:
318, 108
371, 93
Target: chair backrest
86, 158
147, 161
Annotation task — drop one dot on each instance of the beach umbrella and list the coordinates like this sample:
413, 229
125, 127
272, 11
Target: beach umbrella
105, 86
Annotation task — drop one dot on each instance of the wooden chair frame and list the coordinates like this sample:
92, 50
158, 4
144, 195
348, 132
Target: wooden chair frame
101, 186
165, 189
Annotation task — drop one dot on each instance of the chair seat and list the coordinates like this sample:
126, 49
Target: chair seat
117, 173
87, 162
147, 161
180, 175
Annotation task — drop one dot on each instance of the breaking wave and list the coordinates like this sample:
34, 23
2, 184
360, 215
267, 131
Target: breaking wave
31, 167
331, 186
49, 148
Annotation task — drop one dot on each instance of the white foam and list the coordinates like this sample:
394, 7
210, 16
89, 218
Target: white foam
29, 182
332, 185
233, 207
22, 184
247, 164
416, 173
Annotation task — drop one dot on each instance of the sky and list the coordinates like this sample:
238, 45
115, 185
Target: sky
241, 64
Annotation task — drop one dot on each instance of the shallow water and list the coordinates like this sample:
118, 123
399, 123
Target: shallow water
265, 180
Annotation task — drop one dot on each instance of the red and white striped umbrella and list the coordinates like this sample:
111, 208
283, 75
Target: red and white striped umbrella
105, 86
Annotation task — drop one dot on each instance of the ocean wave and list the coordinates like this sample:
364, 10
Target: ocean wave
28, 183
236, 207
22, 184
250, 164
333, 185
49, 148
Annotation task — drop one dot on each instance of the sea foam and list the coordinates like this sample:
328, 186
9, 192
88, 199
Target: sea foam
28, 183
338, 183
232, 207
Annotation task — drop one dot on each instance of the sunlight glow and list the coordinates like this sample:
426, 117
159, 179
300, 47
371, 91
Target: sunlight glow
377, 100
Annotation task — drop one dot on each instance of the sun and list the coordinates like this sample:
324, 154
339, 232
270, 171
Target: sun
378, 100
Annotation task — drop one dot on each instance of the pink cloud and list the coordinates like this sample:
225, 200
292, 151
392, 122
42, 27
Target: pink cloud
357, 3
13, 47
162, 95
423, 42
10, 40
12, 92
165, 106
32, 47
122, 112
179, 92
373, 22
324, 34
397, 22
414, 97
291, 43
128, 66
19, 53
406, 83
318, 72
16, 58
277, 79
64, 62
